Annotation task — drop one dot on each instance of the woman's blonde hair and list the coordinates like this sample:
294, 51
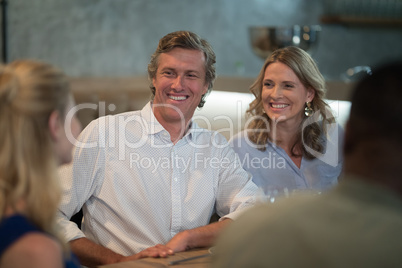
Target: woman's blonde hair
29, 92
307, 71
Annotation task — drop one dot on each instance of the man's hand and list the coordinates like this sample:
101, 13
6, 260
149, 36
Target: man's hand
204, 236
180, 242
158, 251
199, 237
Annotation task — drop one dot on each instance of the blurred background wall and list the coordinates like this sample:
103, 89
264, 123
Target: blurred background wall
117, 37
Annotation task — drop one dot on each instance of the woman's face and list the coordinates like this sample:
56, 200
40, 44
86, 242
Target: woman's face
283, 94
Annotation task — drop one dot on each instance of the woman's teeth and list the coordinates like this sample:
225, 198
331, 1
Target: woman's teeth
279, 105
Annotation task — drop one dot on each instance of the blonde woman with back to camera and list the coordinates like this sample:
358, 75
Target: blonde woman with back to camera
291, 141
35, 100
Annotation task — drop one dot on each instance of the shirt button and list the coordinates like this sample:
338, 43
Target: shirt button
175, 179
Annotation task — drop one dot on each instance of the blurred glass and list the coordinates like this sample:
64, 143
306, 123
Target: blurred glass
271, 194
355, 73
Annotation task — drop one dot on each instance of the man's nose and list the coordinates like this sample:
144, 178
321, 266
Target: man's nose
178, 83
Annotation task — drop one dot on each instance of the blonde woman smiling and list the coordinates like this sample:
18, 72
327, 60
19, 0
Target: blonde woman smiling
291, 140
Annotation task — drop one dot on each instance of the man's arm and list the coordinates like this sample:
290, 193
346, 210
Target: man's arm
204, 236
91, 254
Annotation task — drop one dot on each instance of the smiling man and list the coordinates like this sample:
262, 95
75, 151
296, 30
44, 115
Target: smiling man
179, 84
148, 181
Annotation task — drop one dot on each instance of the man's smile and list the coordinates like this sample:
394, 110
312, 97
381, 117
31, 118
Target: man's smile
177, 98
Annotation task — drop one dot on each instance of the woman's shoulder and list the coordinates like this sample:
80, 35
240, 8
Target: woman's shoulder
45, 245
238, 138
243, 145
38, 249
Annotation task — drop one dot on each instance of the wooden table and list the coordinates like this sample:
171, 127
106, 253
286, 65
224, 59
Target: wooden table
204, 262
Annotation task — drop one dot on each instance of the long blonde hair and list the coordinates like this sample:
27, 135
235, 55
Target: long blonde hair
29, 92
307, 71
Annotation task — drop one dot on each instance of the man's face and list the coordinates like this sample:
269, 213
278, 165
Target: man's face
179, 85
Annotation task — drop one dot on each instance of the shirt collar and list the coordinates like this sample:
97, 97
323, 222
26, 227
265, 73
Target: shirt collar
153, 124
155, 127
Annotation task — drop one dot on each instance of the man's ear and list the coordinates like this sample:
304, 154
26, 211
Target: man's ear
55, 125
205, 88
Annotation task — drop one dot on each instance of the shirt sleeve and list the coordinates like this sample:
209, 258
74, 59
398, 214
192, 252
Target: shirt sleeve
236, 190
79, 179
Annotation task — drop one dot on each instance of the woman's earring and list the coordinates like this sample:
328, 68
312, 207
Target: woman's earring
308, 111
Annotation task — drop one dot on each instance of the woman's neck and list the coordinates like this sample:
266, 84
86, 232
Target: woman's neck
19, 207
284, 134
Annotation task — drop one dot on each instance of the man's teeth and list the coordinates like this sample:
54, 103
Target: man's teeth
178, 97
279, 105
